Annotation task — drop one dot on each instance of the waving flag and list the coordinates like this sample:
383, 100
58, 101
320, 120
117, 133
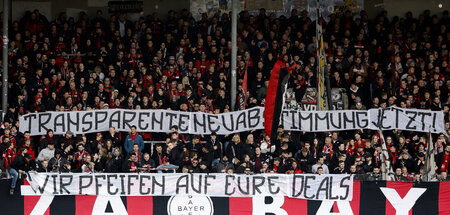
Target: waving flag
274, 97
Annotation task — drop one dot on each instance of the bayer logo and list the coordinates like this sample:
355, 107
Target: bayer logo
190, 205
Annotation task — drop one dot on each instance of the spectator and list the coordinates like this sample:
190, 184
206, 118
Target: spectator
113, 136
132, 139
406, 175
258, 160
405, 161
320, 163
217, 147
114, 162
9, 154
368, 165
295, 168
80, 156
340, 169
49, 138
44, 167
131, 165
375, 175
398, 175
266, 146
234, 150
443, 176
47, 153
168, 166
443, 159
57, 162
18, 167
224, 164
88, 165
147, 162
319, 171
67, 167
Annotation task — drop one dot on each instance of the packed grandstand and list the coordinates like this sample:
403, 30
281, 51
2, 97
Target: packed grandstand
182, 64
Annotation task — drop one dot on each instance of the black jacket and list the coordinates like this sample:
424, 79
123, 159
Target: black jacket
20, 163
114, 165
305, 162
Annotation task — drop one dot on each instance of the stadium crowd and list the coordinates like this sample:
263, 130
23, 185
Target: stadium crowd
179, 63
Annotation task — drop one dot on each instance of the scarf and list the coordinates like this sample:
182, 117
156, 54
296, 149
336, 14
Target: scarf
275, 167
394, 157
137, 156
445, 161
133, 164
350, 151
133, 136
360, 154
50, 139
328, 150
160, 158
377, 154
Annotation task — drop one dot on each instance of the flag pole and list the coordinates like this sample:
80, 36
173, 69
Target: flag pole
430, 165
386, 166
234, 17
5, 58
318, 94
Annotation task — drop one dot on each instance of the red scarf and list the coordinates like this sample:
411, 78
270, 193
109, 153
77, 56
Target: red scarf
137, 156
133, 164
350, 151
50, 139
133, 136
445, 161
394, 157
9, 155
328, 150
377, 154
360, 154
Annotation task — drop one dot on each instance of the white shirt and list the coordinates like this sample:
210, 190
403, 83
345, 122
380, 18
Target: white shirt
324, 167
122, 28
264, 148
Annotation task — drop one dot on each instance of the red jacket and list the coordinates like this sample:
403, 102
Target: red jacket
9, 155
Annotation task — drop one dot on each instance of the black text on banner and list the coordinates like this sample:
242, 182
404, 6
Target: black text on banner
304, 186
231, 122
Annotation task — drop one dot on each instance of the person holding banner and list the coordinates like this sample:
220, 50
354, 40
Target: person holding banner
19, 166
147, 163
131, 165
167, 166
88, 166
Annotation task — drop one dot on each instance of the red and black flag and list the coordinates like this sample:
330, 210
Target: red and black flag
369, 197
274, 97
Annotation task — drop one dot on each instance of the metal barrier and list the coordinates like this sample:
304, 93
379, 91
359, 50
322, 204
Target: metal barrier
153, 144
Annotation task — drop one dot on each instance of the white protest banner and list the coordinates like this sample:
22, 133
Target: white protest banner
407, 119
231, 122
375, 119
145, 120
305, 186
